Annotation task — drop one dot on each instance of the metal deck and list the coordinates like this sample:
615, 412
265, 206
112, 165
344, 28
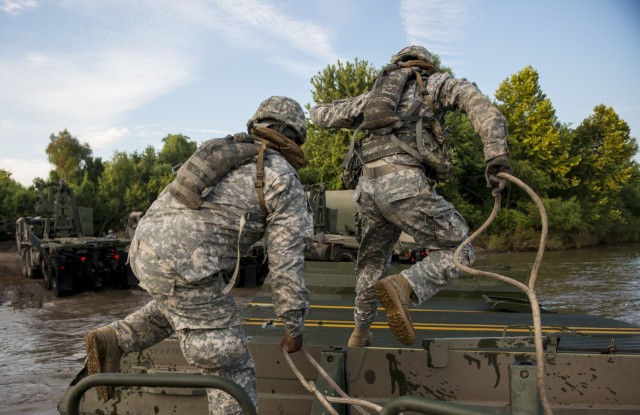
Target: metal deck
465, 309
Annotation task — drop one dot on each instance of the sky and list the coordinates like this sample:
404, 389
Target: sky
121, 75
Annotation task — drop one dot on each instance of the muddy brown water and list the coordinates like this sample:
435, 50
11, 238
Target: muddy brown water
41, 337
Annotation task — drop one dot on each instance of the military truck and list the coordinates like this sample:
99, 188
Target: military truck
334, 240
335, 229
58, 246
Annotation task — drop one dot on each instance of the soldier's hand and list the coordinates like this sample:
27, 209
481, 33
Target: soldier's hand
497, 165
293, 344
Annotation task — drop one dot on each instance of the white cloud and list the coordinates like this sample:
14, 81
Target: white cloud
264, 27
14, 7
97, 86
92, 64
24, 170
436, 24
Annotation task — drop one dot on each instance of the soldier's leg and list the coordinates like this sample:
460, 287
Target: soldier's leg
378, 236
106, 345
211, 336
142, 328
221, 352
434, 223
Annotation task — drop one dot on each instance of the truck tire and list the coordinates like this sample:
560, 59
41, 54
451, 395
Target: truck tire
346, 256
47, 274
32, 272
55, 285
23, 261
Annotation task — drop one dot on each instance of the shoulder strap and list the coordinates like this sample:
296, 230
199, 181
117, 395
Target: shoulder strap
260, 178
244, 216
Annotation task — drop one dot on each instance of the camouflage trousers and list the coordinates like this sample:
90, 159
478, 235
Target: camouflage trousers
405, 201
212, 347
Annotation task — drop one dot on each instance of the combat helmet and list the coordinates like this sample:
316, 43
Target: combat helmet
282, 114
411, 53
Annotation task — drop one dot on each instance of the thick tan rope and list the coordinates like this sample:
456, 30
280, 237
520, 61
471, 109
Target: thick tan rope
327, 400
529, 290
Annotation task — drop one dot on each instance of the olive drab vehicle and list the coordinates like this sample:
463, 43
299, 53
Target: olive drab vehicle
57, 245
335, 240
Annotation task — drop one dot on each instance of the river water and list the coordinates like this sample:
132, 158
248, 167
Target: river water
42, 348
603, 281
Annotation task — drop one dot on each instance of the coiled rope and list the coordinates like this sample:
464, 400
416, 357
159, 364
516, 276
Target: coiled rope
529, 290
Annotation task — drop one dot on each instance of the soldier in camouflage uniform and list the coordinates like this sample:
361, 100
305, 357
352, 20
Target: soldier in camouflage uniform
181, 256
403, 156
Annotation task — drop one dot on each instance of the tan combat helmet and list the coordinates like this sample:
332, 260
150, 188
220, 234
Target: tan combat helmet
282, 114
413, 53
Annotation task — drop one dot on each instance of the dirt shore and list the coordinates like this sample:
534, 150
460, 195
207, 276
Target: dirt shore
17, 290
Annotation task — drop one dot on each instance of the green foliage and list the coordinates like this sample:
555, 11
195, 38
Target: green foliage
326, 148
177, 149
587, 178
606, 150
69, 157
342, 81
534, 133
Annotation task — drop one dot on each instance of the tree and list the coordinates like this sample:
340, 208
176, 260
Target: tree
177, 149
325, 149
118, 176
606, 150
15, 199
534, 132
69, 157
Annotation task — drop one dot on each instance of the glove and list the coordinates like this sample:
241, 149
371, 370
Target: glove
497, 165
293, 344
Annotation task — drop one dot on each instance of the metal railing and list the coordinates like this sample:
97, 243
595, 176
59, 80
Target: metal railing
426, 406
179, 380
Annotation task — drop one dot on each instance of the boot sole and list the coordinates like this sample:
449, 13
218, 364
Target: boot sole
398, 321
94, 365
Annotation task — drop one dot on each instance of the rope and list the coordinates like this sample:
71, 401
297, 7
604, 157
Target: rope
529, 289
326, 401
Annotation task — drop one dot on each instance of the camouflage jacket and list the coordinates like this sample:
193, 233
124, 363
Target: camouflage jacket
197, 243
446, 93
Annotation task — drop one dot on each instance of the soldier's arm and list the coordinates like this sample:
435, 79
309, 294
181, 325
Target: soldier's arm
343, 113
459, 94
289, 232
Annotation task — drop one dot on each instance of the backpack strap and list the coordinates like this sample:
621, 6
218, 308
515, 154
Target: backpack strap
436, 128
260, 178
244, 216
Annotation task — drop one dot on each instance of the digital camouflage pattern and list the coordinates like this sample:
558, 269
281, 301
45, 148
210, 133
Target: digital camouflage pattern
180, 256
407, 200
284, 110
413, 52
447, 94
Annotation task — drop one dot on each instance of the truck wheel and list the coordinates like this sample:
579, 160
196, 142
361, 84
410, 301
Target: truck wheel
23, 260
28, 266
55, 285
346, 256
47, 274
31, 271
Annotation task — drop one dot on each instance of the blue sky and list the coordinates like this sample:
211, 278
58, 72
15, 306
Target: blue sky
120, 75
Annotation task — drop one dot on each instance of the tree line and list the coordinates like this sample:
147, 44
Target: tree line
586, 176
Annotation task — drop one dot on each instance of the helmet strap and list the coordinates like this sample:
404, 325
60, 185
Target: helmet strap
419, 63
289, 149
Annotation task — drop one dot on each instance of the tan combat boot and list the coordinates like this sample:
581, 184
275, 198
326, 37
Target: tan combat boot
394, 293
103, 356
360, 338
